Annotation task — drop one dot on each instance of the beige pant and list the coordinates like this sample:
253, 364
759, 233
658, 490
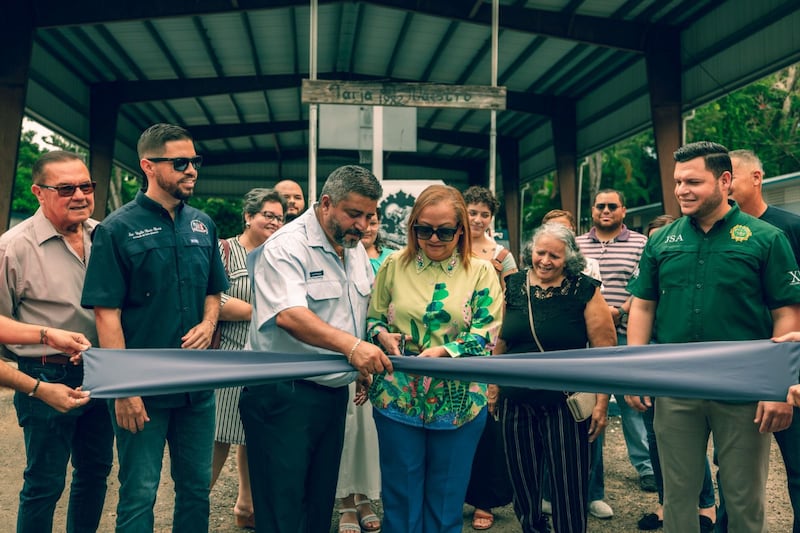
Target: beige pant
682, 428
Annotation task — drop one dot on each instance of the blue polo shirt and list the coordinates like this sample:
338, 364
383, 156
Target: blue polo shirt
156, 270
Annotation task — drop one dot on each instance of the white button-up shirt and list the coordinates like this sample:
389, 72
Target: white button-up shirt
298, 267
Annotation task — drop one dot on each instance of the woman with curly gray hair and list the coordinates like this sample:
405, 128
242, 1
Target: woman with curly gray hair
551, 306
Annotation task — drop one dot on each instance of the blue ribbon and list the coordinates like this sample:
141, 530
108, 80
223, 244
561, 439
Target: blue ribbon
734, 371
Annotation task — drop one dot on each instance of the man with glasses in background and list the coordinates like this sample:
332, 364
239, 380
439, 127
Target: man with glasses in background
618, 250
42, 264
155, 281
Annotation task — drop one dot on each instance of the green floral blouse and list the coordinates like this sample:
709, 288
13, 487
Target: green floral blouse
438, 303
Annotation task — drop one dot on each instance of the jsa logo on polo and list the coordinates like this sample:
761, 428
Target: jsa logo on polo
674, 238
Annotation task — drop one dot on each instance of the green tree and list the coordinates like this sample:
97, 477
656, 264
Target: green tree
24, 202
539, 198
226, 214
763, 117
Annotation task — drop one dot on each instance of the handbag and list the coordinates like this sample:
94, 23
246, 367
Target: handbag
580, 404
216, 338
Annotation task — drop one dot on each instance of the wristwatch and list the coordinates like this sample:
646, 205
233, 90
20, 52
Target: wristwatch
622, 314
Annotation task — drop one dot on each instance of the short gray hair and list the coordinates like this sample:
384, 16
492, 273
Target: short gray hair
351, 179
748, 156
574, 262
255, 198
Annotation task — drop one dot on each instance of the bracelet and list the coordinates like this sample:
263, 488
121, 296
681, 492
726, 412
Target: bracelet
352, 351
32, 393
213, 324
42, 337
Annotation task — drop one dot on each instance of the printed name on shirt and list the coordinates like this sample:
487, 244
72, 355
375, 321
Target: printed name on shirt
147, 232
317, 274
673, 238
199, 227
795, 275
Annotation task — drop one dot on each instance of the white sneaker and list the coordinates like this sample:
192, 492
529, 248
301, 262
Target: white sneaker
547, 507
600, 509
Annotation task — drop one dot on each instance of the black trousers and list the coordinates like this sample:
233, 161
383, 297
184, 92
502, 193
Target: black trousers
535, 435
294, 432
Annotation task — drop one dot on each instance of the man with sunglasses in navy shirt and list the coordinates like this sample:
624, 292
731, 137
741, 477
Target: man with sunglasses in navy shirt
154, 281
42, 268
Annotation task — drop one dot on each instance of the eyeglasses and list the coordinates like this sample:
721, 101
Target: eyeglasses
69, 190
272, 216
611, 207
180, 163
444, 234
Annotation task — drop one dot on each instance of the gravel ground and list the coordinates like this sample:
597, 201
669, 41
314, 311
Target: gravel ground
622, 489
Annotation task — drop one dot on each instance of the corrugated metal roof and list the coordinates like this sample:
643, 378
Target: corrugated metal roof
724, 44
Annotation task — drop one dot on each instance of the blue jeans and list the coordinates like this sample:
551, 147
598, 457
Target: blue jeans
50, 439
597, 482
189, 430
707, 498
633, 430
423, 474
635, 437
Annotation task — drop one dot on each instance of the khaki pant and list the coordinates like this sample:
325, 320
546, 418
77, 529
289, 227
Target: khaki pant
682, 428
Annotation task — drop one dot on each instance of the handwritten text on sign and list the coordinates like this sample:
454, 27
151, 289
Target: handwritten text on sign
395, 94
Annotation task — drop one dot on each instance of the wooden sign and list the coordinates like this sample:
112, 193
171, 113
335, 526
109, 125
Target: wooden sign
395, 94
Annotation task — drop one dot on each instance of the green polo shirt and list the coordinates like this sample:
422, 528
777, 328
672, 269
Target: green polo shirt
719, 285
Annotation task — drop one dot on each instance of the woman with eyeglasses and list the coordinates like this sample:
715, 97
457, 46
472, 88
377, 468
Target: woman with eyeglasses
432, 299
262, 215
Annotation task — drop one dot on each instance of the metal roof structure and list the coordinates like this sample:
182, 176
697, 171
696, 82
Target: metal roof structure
580, 74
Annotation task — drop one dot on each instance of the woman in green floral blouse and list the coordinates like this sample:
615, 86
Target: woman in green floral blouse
440, 301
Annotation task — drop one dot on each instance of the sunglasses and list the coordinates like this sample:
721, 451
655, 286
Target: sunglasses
180, 163
443, 234
272, 216
69, 190
611, 207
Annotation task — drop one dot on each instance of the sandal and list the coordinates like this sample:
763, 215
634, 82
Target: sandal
368, 518
482, 520
347, 527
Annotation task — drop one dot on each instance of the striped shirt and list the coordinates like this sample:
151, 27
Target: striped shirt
233, 337
618, 260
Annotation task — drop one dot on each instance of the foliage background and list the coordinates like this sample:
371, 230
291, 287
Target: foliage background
763, 116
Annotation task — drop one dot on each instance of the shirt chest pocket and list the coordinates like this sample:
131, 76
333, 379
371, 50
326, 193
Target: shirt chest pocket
151, 268
194, 259
324, 291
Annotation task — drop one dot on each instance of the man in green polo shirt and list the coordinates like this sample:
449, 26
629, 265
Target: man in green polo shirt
715, 274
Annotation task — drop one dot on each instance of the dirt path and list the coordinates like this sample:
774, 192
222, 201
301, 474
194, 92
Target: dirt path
622, 490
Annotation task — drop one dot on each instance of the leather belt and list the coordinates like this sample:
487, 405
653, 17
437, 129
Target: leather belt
56, 359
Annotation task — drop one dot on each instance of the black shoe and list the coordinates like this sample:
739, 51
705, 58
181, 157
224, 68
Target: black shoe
706, 525
648, 483
650, 521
